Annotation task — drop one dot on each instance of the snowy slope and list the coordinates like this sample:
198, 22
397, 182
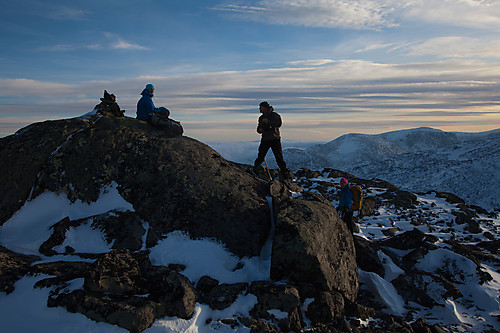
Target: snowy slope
419, 160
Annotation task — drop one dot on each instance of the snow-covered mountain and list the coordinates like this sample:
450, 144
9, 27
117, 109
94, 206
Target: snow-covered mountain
465, 164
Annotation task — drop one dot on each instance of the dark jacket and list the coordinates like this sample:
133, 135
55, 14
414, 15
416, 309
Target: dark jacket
146, 107
269, 131
345, 200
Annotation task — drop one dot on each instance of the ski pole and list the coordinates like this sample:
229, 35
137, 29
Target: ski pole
268, 173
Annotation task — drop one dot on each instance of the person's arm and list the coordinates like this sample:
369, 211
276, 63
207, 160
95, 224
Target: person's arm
261, 127
275, 120
348, 199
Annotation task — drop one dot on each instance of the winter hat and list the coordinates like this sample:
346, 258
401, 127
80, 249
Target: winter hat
343, 182
265, 104
149, 86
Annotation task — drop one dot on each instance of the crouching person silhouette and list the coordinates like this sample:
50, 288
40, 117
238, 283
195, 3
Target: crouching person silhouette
157, 117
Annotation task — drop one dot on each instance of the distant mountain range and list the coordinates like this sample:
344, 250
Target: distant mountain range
418, 160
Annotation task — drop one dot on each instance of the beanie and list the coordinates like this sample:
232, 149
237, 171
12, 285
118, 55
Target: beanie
149, 86
343, 182
265, 104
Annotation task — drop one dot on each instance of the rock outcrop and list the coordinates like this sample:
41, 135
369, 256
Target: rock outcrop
172, 183
313, 247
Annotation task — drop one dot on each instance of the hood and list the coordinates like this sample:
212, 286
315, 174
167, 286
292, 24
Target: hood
147, 93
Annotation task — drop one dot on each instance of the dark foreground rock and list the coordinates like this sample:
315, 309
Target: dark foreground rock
172, 183
313, 247
13, 266
124, 289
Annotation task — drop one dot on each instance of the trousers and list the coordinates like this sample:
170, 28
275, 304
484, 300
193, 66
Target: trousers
275, 146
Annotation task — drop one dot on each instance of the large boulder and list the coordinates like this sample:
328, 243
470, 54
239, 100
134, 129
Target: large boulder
313, 247
173, 183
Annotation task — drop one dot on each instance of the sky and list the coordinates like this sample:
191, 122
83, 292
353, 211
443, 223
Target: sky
329, 67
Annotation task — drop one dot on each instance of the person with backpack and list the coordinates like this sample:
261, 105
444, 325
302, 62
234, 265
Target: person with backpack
345, 203
269, 127
158, 117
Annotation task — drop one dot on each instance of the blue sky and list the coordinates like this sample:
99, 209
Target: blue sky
328, 67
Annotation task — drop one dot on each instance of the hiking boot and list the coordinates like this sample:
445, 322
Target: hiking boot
258, 172
287, 174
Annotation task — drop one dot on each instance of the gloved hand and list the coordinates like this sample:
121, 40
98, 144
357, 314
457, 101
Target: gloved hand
164, 111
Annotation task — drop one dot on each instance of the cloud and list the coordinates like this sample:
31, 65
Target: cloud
123, 45
68, 13
70, 47
27, 88
353, 14
375, 46
457, 47
366, 14
120, 44
462, 13
312, 62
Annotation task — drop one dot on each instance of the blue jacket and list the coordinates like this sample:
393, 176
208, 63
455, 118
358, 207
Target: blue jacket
345, 200
146, 107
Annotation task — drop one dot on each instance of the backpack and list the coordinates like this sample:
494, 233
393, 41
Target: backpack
357, 197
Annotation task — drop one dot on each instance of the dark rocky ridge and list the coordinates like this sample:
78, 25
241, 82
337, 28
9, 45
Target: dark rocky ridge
173, 184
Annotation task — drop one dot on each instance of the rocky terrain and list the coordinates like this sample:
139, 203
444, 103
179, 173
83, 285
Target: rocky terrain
463, 163
320, 277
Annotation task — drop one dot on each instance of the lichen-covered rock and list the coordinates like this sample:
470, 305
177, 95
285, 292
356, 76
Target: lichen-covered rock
278, 297
328, 307
24, 154
172, 183
13, 266
124, 289
312, 245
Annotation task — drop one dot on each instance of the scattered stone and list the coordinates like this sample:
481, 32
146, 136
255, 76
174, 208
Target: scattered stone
13, 266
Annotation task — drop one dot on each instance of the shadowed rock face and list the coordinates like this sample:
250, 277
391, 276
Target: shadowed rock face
314, 248
172, 183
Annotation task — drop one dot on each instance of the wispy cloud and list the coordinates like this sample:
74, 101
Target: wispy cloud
312, 62
70, 47
457, 47
68, 13
375, 46
118, 42
353, 14
366, 14
461, 13
124, 45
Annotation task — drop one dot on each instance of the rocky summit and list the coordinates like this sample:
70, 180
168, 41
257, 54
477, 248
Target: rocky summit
319, 276
173, 184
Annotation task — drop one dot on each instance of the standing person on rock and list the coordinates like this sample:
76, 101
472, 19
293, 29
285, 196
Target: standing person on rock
268, 127
345, 203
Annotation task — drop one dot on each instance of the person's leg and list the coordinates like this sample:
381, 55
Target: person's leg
348, 219
263, 149
278, 154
